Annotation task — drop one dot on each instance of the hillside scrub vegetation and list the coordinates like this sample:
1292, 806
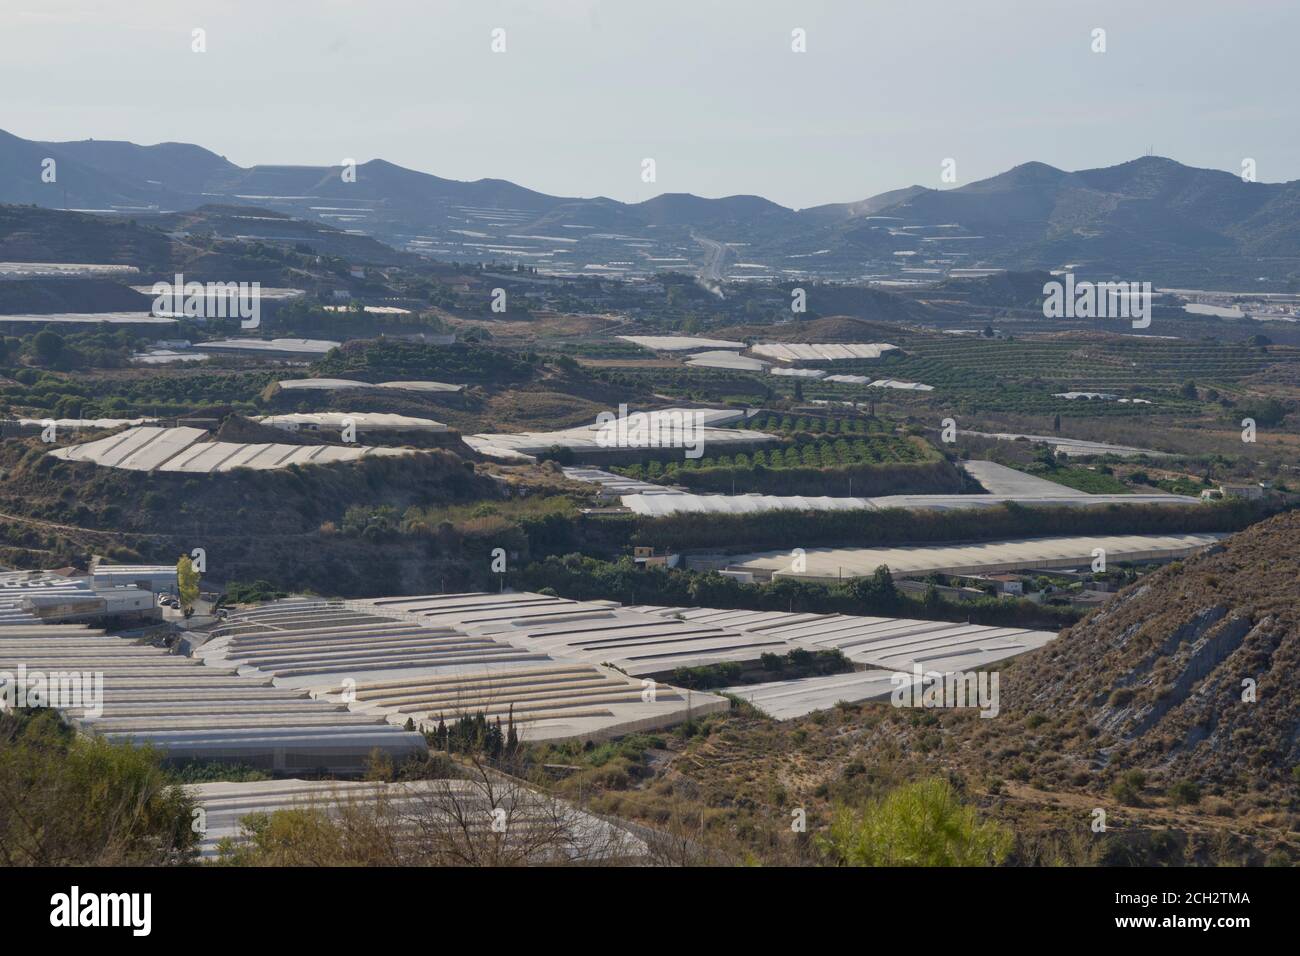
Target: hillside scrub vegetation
69, 800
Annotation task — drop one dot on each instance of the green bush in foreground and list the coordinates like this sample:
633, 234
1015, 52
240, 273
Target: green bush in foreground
918, 824
80, 801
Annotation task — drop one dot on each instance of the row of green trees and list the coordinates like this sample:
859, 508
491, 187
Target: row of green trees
475, 734
810, 454
799, 424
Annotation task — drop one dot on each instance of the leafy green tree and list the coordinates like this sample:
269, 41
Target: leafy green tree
48, 346
876, 590
512, 735
187, 583
1045, 456
1268, 411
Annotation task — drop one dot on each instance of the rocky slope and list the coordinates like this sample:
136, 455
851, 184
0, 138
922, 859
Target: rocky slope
1190, 674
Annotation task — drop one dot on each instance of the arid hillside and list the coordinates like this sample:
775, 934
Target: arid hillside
1192, 672
1137, 713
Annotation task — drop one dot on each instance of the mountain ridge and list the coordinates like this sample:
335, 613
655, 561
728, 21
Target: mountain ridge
90, 153
1150, 215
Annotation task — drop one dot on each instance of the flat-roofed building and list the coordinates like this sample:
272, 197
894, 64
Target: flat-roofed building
1241, 490
157, 578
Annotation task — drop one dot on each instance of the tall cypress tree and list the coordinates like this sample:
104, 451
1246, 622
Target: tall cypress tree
512, 737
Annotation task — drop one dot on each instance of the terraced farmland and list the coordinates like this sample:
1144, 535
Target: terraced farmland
1020, 376
976, 375
1104, 364
775, 424
876, 450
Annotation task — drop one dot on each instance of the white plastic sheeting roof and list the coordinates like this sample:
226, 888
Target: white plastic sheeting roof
727, 360
660, 505
71, 424
570, 692
387, 657
799, 372
92, 318
317, 645
829, 352
661, 428
612, 484
1071, 446
29, 270
333, 384
591, 631
269, 346
891, 643
364, 421
547, 832
787, 699
1000, 480
151, 448
679, 343
979, 557
880, 383
551, 701
191, 711
16, 585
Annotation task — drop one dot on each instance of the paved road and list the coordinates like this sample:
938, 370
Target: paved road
711, 271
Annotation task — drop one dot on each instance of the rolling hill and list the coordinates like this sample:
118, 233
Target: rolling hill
1149, 219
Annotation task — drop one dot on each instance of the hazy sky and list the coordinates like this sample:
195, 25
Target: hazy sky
711, 90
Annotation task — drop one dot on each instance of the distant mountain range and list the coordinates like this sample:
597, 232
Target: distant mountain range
1148, 219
